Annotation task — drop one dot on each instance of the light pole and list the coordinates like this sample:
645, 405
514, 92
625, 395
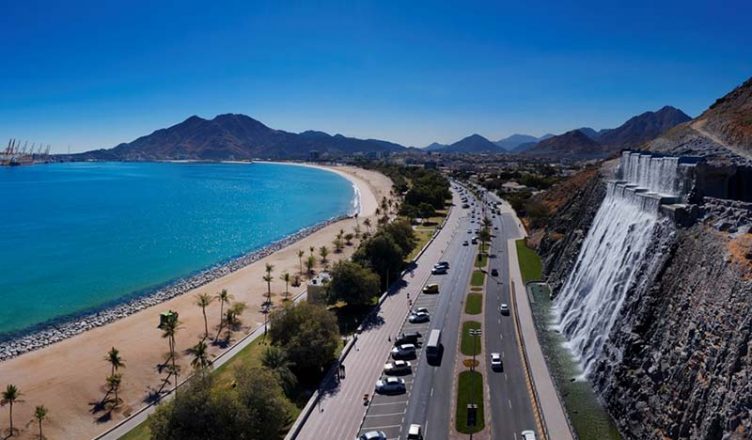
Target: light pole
474, 333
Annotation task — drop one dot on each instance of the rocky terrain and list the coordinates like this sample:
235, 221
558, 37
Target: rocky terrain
678, 364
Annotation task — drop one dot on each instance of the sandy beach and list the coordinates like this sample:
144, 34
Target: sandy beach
68, 376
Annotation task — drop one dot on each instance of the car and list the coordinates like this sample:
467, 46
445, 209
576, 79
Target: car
528, 435
474, 240
407, 338
442, 264
496, 363
469, 231
420, 310
431, 288
403, 351
464, 243
504, 309
496, 228
494, 273
416, 318
373, 435
415, 432
397, 367
389, 385
439, 271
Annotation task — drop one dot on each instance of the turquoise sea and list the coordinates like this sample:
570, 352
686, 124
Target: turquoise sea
75, 237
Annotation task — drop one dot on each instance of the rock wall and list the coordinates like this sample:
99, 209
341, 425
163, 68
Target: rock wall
679, 364
564, 233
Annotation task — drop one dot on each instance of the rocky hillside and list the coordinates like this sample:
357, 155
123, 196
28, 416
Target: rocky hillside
234, 137
729, 119
572, 144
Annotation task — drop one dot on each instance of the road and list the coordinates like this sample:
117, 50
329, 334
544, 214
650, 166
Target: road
511, 406
340, 410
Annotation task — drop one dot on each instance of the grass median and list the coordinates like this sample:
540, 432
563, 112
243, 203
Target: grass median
474, 303
530, 263
469, 391
478, 278
481, 260
470, 344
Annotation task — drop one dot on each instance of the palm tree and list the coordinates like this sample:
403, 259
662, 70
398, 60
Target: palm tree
203, 300
356, 231
114, 381
9, 397
338, 245
349, 238
40, 414
114, 359
300, 260
268, 278
224, 298
312, 250
323, 251
310, 262
200, 353
286, 278
169, 330
233, 313
275, 359
367, 223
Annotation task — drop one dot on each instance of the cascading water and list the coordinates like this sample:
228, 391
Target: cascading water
613, 252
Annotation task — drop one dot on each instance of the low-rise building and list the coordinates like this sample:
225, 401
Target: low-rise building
318, 287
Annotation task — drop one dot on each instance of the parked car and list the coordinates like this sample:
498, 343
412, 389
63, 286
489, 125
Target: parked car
528, 435
494, 273
415, 432
373, 435
403, 351
431, 288
496, 363
464, 243
419, 317
397, 367
504, 309
389, 385
408, 338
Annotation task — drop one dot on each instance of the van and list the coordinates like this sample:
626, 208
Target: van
528, 435
414, 432
431, 288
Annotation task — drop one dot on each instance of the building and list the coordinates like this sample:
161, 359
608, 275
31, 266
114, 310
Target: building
318, 287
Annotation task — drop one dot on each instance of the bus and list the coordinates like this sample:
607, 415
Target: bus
434, 347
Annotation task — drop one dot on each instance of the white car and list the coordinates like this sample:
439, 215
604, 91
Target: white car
528, 435
390, 385
415, 432
496, 363
397, 367
504, 309
373, 435
420, 310
419, 317
403, 351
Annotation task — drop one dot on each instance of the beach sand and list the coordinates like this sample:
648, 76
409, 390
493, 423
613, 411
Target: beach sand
69, 376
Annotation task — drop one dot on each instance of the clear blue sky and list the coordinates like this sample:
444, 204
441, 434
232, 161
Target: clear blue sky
93, 74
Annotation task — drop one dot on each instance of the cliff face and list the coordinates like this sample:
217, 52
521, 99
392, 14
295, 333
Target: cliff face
575, 202
679, 364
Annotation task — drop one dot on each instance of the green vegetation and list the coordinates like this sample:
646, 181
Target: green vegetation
530, 263
352, 284
140, 432
469, 390
474, 304
481, 260
470, 344
478, 278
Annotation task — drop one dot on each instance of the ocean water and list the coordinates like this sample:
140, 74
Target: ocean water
77, 236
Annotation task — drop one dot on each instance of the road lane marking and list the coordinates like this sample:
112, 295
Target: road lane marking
386, 415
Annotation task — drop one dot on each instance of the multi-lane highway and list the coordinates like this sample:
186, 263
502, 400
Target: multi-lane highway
511, 407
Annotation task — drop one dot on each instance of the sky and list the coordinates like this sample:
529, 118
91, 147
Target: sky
93, 74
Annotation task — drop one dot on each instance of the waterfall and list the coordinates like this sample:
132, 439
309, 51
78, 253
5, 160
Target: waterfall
613, 252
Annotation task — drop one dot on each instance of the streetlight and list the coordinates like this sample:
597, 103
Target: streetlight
474, 333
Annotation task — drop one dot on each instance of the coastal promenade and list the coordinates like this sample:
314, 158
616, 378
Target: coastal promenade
68, 377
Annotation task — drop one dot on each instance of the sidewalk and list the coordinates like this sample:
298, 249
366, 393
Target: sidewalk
554, 416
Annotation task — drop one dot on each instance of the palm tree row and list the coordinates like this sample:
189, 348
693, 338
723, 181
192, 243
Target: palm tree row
12, 396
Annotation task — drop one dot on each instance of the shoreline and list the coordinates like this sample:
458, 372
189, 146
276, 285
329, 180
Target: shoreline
43, 334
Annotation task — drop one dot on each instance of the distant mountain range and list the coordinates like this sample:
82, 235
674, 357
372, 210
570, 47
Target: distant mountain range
587, 143
235, 137
478, 144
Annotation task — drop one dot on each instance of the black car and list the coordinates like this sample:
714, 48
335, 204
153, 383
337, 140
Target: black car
407, 338
494, 273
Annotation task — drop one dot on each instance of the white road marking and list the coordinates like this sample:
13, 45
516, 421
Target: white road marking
510, 403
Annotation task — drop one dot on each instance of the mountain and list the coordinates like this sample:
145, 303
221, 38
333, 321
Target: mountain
235, 137
642, 128
515, 140
474, 143
587, 143
436, 147
573, 144
521, 148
